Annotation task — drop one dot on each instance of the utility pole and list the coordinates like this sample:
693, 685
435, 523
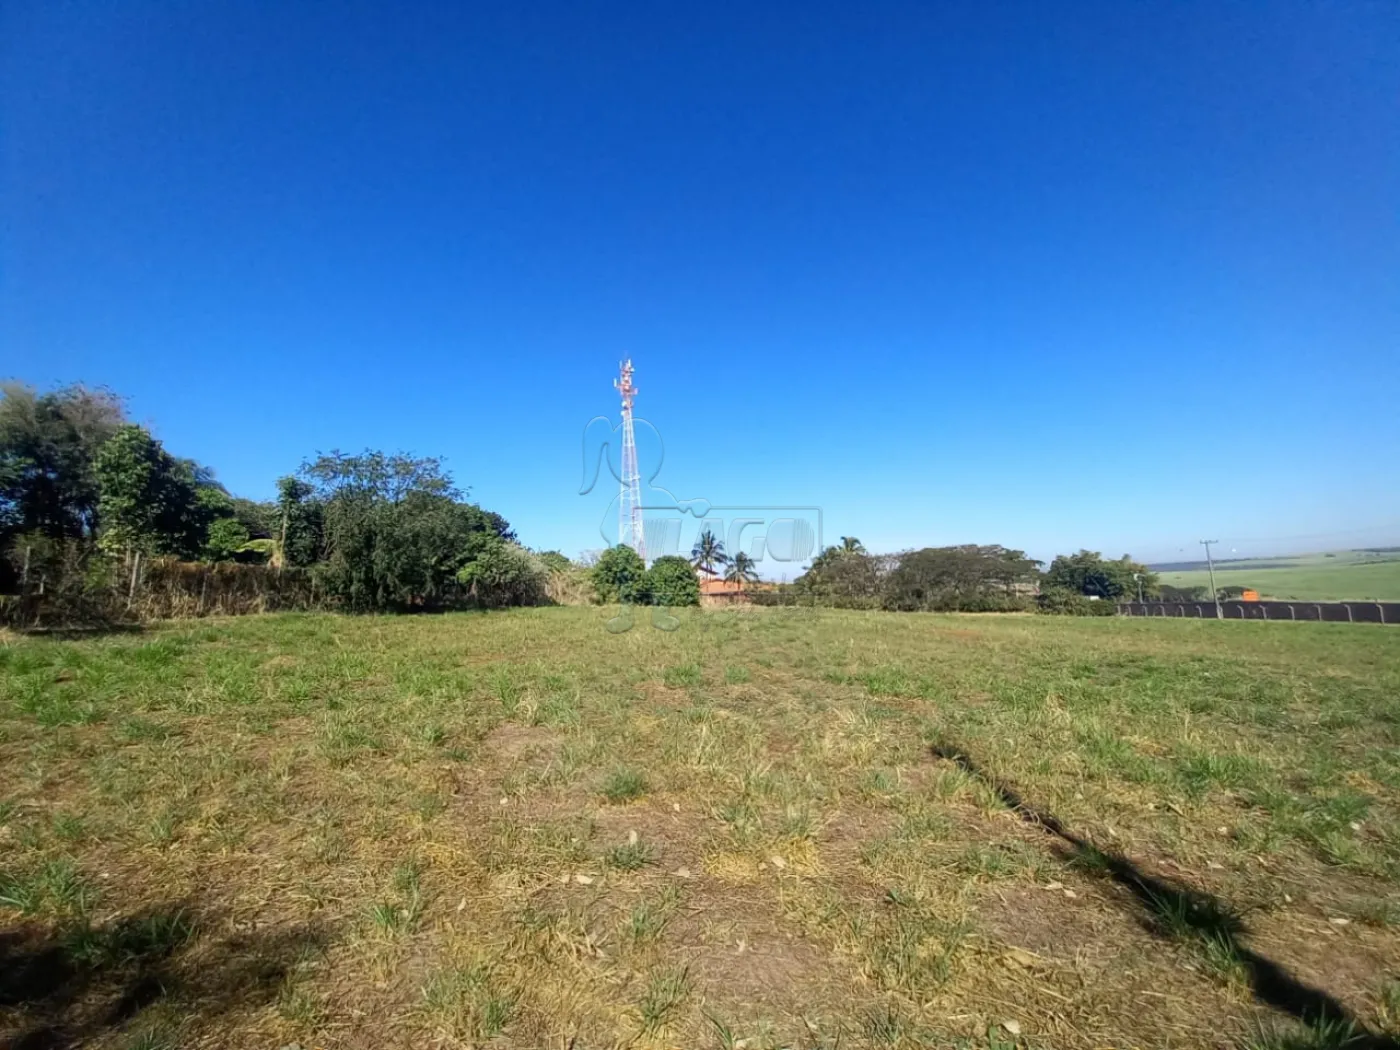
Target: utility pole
1210, 565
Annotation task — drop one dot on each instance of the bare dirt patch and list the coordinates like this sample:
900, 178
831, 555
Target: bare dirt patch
844, 838
745, 957
679, 836
1074, 930
511, 744
512, 752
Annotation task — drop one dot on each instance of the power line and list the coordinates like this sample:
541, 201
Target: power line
1380, 527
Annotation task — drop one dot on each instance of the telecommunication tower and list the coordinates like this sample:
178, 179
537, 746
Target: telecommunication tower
629, 504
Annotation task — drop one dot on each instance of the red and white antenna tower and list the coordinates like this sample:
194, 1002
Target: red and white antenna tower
629, 504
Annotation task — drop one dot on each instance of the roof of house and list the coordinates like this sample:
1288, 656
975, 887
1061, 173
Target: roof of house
715, 585
719, 585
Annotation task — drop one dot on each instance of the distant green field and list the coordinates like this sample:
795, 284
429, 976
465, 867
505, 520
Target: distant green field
1338, 576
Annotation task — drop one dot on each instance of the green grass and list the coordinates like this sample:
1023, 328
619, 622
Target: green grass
493, 829
1333, 576
624, 785
629, 856
664, 994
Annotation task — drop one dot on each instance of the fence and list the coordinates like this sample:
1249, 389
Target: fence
1330, 612
79, 588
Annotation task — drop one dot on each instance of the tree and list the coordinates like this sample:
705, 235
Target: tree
554, 561
1089, 574
299, 525
620, 576
48, 443
227, 537
394, 531
843, 578
851, 545
708, 552
149, 501
968, 578
377, 476
741, 571
503, 573
261, 518
672, 581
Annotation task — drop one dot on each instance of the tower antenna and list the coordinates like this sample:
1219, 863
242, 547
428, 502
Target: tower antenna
629, 504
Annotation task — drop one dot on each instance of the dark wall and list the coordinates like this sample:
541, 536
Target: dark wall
1332, 612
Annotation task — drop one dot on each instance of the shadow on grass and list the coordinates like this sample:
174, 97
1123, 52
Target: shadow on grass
77, 633
1180, 912
65, 987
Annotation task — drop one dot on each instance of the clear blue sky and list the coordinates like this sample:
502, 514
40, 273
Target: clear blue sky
1117, 275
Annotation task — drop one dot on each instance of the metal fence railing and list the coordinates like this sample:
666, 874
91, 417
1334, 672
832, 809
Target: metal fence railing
1331, 612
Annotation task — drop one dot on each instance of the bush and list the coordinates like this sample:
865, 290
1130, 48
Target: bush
227, 537
621, 576
672, 581
574, 586
504, 574
782, 594
554, 561
1059, 602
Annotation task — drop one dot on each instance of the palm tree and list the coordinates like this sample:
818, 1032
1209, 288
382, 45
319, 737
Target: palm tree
741, 571
851, 545
708, 552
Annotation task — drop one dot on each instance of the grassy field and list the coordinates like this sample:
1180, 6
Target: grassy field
1338, 576
768, 828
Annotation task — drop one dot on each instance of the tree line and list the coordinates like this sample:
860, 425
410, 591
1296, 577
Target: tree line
619, 576
87, 493
965, 578
87, 497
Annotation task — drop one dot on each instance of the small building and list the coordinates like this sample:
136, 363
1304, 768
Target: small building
715, 590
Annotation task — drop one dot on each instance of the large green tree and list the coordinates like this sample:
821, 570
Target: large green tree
149, 502
395, 532
1090, 574
48, 443
844, 577
969, 578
